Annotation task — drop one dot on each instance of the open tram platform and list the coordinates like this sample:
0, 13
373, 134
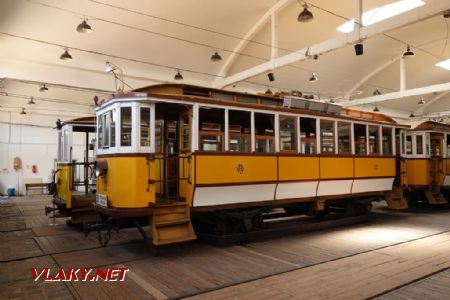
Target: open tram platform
395, 255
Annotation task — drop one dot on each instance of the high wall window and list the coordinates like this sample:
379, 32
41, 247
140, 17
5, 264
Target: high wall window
308, 135
374, 140
264, 133
419, 144
145, 126
327, 136
359, 132
344, 138
239, 131
211, 129
386, 141
125, 126
288, 134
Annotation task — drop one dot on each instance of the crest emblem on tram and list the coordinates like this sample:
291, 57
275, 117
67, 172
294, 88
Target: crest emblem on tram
240, 168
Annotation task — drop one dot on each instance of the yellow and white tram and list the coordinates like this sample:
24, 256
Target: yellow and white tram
169, 152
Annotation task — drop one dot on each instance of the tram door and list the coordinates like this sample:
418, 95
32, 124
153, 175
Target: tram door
436, 160
171, 133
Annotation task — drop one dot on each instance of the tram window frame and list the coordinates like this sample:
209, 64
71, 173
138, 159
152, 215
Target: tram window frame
308, 135
409, 144
387, 132
376, 143
420, 146
130, 133
326, 140
239, 135
358, 143
292, 132
144, 111
211, 132
264, 135
342, 137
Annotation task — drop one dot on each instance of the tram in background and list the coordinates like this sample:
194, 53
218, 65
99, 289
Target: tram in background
171, 154
425, 165
74, 183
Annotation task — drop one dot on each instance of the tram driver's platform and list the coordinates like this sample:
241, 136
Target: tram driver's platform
394, 255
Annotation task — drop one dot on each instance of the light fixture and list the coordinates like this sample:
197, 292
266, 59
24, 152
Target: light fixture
23, 111
43, 89
421, 102
412, 115
178, 76
376, 92
447, 14
84, 27
408, 53
66, 55
376, 109
305, 15
313, 78
359, 49
271, 76
118, 75
216, 57
31, 101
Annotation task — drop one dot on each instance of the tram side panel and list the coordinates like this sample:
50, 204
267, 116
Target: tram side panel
63, 182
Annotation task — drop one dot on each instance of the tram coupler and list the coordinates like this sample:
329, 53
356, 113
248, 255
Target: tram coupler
49, 209
104, 225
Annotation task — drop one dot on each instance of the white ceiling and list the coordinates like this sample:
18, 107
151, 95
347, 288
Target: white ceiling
149, 40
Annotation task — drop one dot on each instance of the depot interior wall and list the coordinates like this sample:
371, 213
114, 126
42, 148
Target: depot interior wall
33, 139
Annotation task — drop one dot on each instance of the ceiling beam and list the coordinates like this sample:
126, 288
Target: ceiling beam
248, 36
436, 88
418, 14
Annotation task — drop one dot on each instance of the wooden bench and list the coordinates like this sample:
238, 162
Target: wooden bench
36, 186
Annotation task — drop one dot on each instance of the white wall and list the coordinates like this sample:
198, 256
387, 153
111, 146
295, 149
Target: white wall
34, 141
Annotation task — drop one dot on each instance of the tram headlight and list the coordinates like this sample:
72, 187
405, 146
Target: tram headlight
101, 167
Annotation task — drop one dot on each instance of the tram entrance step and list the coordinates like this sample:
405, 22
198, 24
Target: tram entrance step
395, 199
435, 198
171, 223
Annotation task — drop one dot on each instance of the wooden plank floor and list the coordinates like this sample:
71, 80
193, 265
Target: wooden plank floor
358, 261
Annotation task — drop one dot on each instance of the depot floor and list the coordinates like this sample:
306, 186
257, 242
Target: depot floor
394, 255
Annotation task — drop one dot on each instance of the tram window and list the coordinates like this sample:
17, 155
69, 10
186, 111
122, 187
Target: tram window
125, 126
448, 145
359, 133
386, 140
419, 144
145, 126
408, 145
288, 134
327, 136
308, 135
185, 130
374, 140
264, 133
106, 120
344, 138
211, 129
239, 131
112, 114
159, 131
247, 99
99, 132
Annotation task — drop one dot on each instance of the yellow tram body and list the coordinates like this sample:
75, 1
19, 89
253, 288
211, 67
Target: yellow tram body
178, 160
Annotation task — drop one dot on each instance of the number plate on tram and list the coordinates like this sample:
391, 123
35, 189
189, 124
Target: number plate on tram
101, 200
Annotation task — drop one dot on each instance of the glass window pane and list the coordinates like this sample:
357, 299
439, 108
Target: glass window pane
408, 145
113, 127
106, 125
211, 129
239, 131
344, 138
327, 136
264, 133
125, 126
100, 132
159, 131
386, 140
373, 140
185, 133
308, 135
145, 126
288, 134
419, 144
359, 132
